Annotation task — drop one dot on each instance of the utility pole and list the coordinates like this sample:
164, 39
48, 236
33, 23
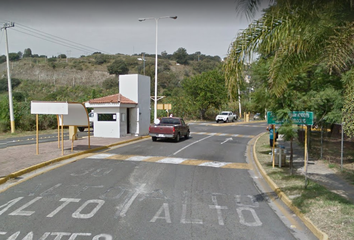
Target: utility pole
12, 120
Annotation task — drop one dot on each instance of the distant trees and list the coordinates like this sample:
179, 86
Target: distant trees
100, 59
181, 56
14, 57
27, 53
62, 56
118, 67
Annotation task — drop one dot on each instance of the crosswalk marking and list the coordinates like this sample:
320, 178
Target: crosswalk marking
172, 160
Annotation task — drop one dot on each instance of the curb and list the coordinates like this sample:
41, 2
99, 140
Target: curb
43, 164
317, 232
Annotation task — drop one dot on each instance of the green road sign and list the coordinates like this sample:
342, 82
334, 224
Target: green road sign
298, 117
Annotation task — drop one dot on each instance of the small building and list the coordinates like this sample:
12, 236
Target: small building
125, 113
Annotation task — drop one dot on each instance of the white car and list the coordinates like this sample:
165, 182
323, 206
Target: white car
91, 118
226, 116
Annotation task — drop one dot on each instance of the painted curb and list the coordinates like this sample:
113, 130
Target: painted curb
317, 232
46, 163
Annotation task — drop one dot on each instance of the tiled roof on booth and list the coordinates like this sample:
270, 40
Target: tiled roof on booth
115, 98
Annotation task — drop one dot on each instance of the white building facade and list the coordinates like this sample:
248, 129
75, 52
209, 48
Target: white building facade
125, 113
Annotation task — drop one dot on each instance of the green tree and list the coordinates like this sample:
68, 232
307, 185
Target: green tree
205, 90
2, 59
14, 57
317, 32
118, 67
181, 56
27, 53
100, 59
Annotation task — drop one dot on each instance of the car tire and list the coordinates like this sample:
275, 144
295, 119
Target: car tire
187, 135
177, 138
154, 139
217, 121
81, 129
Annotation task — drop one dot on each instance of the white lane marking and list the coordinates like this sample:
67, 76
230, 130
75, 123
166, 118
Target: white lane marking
138, 158
131, 200
77, 214
20, 212
218, 210
226, 140
192, 144
213, 164
166, 211
101, 155
172, 160
184, 215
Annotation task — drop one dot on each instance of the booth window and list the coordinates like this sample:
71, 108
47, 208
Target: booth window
107, 117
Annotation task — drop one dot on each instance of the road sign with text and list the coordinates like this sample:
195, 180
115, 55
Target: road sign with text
297, 117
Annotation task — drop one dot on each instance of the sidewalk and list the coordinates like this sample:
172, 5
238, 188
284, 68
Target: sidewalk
16, 158
319, 171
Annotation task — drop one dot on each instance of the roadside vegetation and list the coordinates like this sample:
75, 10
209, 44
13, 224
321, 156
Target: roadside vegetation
329, 211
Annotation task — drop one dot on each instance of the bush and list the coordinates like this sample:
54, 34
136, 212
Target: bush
110, 83
118, 67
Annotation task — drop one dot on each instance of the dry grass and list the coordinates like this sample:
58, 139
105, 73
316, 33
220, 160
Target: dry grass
330, 212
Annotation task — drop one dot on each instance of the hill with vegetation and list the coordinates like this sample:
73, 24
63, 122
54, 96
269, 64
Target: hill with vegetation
60, 78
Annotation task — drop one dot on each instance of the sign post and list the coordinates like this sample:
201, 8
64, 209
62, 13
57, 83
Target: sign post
298, 118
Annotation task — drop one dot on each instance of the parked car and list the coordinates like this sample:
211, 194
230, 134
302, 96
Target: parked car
257, 116
91, 118
226, 116
169, 127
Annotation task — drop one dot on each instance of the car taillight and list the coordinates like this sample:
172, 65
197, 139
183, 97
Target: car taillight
173, 129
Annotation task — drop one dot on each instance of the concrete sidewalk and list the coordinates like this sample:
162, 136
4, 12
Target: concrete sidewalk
17, 160
319, 171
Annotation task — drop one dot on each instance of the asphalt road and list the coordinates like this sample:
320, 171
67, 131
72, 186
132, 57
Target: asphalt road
15, 141
199, 188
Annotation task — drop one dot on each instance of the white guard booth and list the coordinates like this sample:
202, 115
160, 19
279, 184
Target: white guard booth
125, 113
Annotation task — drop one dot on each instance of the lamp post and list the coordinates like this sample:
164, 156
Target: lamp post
12, 120
156, 21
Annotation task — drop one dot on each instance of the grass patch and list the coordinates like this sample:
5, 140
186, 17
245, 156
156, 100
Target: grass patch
329, 211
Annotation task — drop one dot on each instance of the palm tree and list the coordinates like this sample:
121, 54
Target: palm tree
298, 34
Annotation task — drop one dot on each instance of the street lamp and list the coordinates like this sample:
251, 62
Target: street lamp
156, 20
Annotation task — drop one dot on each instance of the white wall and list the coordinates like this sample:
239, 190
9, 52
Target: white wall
104, 128
137, 88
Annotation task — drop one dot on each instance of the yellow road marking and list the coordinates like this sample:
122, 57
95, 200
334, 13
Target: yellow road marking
153, 159
237, 165
120, 157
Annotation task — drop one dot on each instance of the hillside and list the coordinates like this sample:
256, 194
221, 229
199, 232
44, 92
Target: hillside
89, 70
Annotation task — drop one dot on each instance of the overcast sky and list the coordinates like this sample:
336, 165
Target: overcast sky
112, 26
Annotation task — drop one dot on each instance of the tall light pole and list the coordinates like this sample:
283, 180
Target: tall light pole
156, 20
12, 120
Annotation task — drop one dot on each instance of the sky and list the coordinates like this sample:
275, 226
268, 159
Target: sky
81, 27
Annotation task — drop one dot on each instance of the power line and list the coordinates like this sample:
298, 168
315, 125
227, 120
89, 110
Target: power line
66, 40
55, 39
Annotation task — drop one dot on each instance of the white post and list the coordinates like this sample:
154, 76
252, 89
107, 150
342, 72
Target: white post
239, 101
155, 103
12, 120
156, 20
